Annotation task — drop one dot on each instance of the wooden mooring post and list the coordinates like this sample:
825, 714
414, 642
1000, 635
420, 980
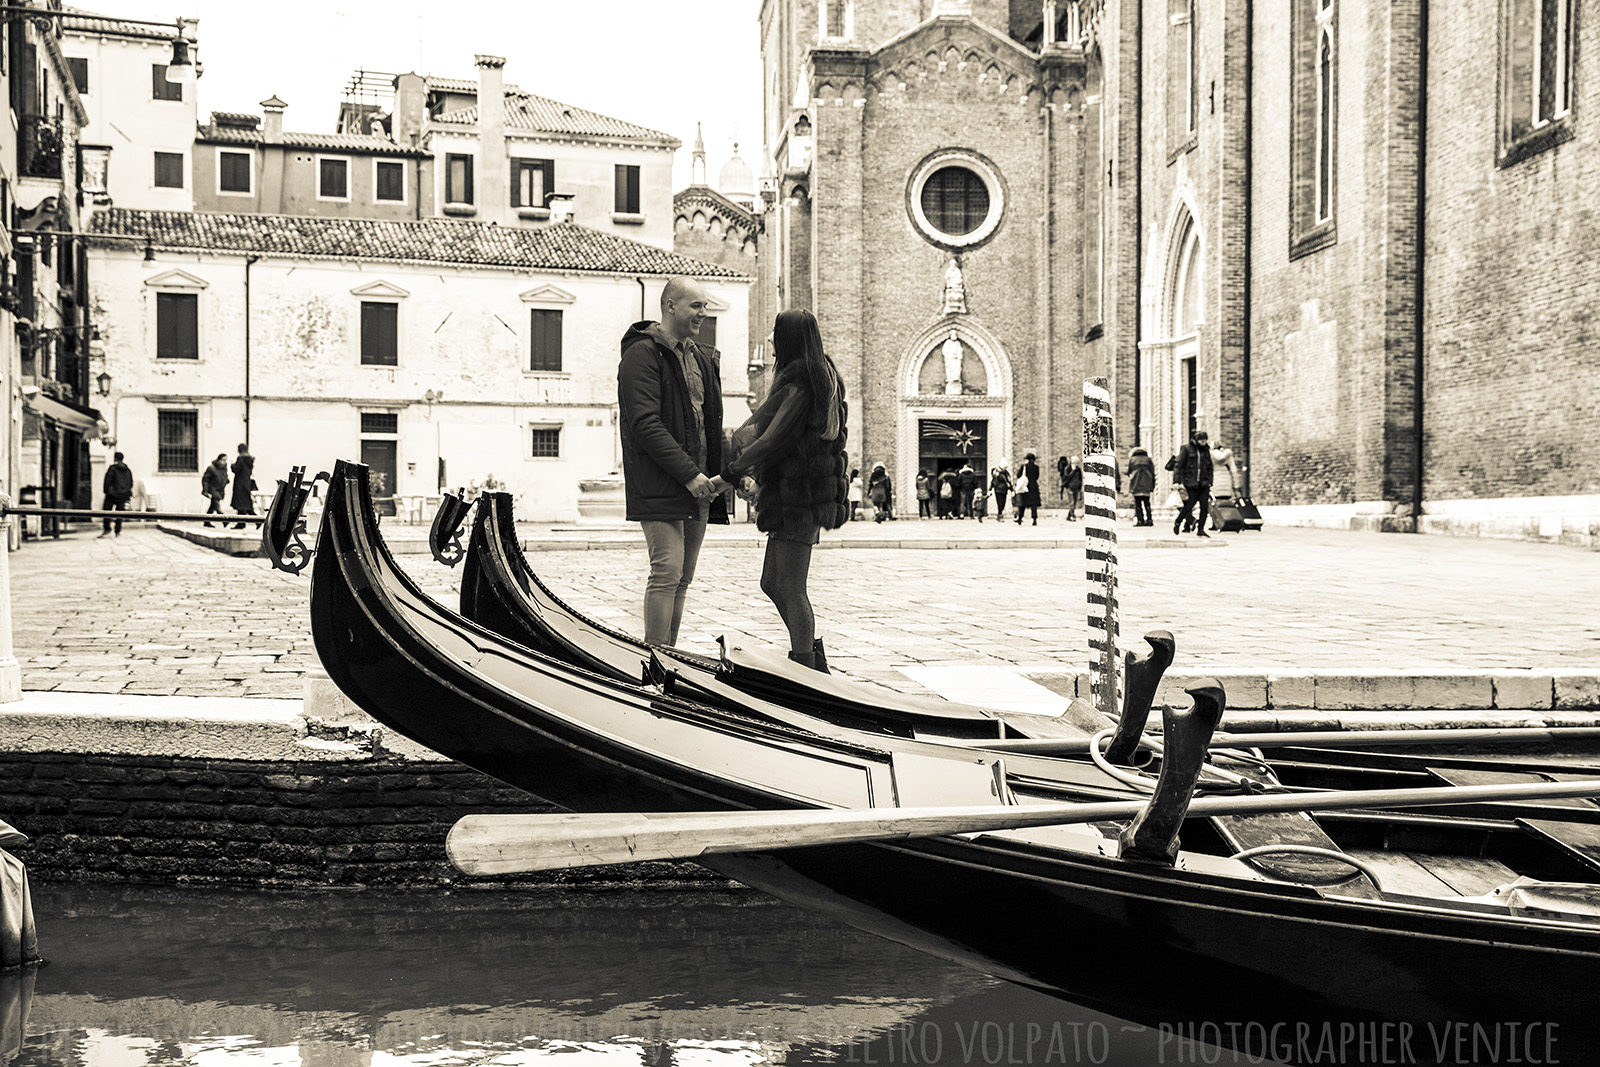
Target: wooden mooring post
1100, 547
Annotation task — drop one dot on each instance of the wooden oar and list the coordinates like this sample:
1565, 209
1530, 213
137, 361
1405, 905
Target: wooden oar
1069, 746
508, 844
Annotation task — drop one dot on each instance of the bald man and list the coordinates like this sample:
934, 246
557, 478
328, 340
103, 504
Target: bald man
669, 394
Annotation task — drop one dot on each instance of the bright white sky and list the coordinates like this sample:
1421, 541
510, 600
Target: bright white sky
665, 64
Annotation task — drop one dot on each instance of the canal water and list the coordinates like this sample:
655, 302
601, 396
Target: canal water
664, 977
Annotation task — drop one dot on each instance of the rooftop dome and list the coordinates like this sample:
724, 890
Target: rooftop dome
736, 180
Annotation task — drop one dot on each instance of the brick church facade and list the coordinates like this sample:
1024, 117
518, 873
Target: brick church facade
1349, 238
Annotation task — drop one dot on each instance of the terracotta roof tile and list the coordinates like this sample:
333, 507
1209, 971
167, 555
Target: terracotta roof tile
113, 28
539, 114
348, 142
562, 247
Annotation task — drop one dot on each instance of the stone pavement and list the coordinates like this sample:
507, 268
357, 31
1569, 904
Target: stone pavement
150, 613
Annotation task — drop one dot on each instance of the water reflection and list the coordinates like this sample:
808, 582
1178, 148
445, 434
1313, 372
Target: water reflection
586, 978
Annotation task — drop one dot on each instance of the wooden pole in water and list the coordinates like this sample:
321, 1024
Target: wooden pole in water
1100, 547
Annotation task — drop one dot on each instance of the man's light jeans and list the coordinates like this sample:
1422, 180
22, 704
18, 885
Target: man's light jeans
674, 550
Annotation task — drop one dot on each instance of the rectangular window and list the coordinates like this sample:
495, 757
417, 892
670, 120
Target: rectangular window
1182, 71
389, 181
380, 333
1536, 70
177, 326
235, 172
627, 189
169, 170
546, 442
79, 67
1314, 125
160, 88
532, 182
458, 179
707, 337
545, 347
333, 179
380, 422
177, 442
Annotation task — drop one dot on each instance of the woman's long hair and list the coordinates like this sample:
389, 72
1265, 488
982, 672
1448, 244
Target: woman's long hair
798, 355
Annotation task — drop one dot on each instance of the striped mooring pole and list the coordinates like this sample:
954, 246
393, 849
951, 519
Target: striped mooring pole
1100, 547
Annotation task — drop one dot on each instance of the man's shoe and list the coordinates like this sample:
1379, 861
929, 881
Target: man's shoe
1202, 533
1175, 528
107, 533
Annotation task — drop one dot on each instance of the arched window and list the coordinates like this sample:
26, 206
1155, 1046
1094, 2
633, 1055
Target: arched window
1187, 304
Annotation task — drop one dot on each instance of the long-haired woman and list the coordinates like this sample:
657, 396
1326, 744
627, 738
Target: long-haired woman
794, 448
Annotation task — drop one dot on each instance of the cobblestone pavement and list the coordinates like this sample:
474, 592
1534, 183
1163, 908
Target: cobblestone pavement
149, 613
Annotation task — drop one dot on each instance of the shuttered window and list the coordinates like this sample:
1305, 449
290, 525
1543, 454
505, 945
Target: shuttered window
333, 179
169, 170
627, 191
160, 88
389, 180
380, 333
707, 337
532, 182
545, 347
458, 179
234, 172
177, 326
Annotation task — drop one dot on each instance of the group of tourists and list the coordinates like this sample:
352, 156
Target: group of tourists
964, 493
214, 483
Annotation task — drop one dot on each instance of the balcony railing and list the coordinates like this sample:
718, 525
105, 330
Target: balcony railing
39, 147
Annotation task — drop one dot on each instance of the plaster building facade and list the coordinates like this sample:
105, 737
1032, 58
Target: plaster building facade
139, 132
245, 163
48, 327
437, 351
1349, 238
529, 162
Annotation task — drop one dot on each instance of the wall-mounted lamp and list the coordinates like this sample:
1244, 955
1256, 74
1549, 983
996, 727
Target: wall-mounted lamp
149, 262
181, 70
102, 382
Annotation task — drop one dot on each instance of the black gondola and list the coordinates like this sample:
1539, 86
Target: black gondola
1057, 909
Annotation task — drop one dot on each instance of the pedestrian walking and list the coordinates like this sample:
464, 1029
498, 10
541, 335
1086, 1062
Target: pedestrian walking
1141, 483
669, 399
980, 501
856, 491
1061, 476
1225, 489
796, 454
244, 484
1028, 489
880, 490
213, 483
117, 486
947, 493
1195, 475
924, 494
1000, 487
1072, 487
966, 482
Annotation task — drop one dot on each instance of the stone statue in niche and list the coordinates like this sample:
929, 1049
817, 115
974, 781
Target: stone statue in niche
955, 288
954, 356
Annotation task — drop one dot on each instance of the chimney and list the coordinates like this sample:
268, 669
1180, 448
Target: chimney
410, 108
494, 196
272, 128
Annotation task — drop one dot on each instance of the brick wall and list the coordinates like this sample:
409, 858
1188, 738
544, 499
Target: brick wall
1512, 382
230, 822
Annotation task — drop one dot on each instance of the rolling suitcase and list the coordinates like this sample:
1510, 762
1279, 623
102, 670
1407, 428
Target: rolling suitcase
1236, 514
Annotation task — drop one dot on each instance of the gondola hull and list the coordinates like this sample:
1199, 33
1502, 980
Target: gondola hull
1159, 945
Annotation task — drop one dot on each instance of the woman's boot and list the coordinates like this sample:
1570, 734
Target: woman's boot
819, 656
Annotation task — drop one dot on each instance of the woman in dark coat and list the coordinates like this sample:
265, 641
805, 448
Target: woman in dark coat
214, 482
244, 484
1141, 483
1028, 496
794, 447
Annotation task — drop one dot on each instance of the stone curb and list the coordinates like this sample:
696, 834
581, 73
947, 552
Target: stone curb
326, 728
413, 540
1373, 690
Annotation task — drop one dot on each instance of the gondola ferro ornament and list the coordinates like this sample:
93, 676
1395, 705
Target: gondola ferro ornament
281, 540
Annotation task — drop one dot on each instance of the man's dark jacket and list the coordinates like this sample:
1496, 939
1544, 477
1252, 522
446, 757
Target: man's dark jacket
657, 417
118, 483
1194, 466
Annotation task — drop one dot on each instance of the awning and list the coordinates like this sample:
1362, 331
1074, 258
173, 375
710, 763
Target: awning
85, 421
